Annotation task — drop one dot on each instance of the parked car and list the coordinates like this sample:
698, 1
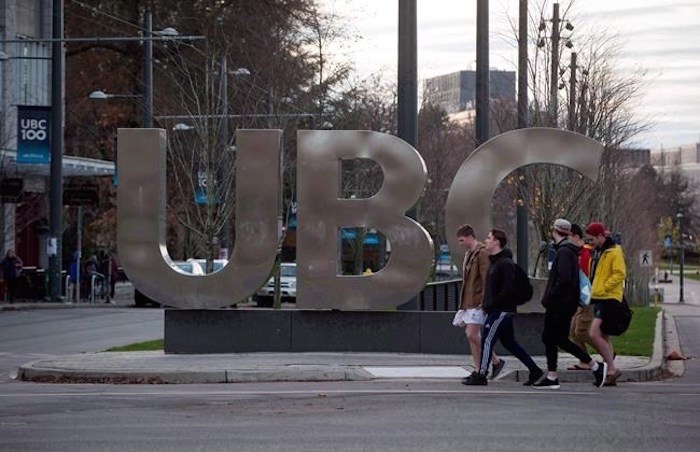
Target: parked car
188, 267
218, 264
288, 286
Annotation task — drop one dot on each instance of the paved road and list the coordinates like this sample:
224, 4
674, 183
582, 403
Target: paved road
28, 335
376, 415
387, 415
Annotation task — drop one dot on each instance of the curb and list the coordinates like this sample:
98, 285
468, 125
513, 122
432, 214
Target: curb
301, 373
655, 369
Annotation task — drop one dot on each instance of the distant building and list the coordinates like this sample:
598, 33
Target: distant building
456, 92
636, 157
684, 158
25, 80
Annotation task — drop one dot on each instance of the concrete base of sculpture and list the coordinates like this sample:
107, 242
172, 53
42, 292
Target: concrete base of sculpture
267, 330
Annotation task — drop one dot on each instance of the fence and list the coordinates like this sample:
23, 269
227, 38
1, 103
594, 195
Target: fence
440, 296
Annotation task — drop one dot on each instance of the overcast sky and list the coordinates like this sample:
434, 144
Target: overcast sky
662, 37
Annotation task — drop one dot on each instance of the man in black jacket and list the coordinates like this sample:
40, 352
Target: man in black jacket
561, 300
500, 308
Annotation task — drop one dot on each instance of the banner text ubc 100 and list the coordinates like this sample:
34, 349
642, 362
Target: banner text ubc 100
321, 213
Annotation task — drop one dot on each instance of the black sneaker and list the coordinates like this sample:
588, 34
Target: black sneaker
546, 383
535, 375
496, 369
475, 379
600, 374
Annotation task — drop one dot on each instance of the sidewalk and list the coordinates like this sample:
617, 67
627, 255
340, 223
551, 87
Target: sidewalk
157, 367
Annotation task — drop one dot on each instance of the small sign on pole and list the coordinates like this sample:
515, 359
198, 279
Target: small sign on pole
645, 258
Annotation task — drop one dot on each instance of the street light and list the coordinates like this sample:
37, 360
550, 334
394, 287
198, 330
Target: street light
679, 216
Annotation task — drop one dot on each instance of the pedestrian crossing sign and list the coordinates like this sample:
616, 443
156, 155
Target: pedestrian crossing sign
645, 258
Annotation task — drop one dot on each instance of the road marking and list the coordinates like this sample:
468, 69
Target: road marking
308, 392
418, 372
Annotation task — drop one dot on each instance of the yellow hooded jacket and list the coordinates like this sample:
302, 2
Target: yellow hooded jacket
609, 275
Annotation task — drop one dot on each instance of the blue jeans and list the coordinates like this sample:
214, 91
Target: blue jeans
499, 327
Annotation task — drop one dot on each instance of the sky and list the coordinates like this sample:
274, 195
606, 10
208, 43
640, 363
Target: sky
660, 37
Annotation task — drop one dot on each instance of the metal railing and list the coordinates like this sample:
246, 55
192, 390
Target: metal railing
440, 296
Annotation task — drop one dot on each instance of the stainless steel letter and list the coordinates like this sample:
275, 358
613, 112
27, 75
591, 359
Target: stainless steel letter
141, 221
471, 193
321, 213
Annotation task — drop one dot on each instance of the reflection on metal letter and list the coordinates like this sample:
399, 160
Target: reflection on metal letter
472, 190
141, 221
321, 213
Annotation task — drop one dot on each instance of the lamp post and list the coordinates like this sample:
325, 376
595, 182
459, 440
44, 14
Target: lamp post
520, 209
681, 259
554, 69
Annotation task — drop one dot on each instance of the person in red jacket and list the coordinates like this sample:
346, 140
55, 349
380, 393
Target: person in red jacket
582, 320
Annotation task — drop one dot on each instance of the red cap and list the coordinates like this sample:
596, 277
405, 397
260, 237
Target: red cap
595, 229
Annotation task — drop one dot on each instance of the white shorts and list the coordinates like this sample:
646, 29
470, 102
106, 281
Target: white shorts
474, 316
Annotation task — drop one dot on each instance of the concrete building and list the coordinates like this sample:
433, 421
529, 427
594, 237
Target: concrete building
456, 92
25, 80
685, 158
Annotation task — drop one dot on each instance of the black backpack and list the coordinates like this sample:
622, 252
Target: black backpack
523, 286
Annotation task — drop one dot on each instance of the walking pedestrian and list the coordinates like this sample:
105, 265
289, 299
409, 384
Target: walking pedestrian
11, 272
608, 273
560, 300
500, 308
474, 270
582, 320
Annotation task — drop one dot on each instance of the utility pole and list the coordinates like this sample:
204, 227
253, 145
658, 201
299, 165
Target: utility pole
147, 106
572, 93
521, 210
55, 248
554, 73
225, 157
482, 71
681, 259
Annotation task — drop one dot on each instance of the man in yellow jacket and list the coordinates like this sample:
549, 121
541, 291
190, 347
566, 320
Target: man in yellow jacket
608, 272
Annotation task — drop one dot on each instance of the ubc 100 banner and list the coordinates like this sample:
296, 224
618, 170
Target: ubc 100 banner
33, 134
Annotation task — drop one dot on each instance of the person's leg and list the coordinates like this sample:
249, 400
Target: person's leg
550, 340
473, 332
506, 335
584, 323
11, 288
563, 342
489, 337
601, 342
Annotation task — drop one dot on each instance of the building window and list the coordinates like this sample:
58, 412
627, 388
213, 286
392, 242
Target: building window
29, 18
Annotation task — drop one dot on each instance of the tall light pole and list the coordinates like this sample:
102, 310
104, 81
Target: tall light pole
520, 209
681, 259
407, 96
54, 248
482, 71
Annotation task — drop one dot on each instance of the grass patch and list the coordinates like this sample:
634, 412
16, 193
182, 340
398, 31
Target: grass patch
639, 338
147, 346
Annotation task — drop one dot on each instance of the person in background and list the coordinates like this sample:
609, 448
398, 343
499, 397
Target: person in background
11, 272
582, 320
73, 274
